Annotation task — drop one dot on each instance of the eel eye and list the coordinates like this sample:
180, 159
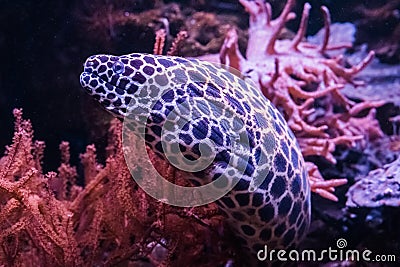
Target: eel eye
118, 67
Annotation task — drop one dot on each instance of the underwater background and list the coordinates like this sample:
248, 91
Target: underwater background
43, 45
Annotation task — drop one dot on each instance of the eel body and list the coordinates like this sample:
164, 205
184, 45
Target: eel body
221, 118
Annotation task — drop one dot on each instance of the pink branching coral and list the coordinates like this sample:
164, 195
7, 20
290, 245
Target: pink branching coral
304, 83
48, 220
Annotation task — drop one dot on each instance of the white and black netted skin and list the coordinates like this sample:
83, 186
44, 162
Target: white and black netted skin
154, 90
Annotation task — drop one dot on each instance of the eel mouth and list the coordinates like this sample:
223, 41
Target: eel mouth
85, 79
98, 87
95, 84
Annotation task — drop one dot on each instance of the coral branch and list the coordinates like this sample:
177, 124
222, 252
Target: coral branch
160, 41
327, 28
280, 22
38, 153
356, 109
302, 28
260, 12
298, 93
90, 165
348, 73
180, 38
320, 186
229, 54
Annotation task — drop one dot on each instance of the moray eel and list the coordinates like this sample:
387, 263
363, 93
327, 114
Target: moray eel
246, 137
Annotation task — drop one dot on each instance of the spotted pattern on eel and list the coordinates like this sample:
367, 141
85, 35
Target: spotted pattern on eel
275, 212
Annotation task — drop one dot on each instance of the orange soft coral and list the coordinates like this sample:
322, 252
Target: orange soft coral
49, 220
